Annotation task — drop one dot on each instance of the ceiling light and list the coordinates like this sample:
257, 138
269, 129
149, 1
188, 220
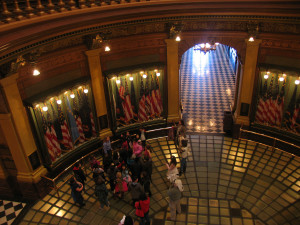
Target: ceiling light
72, 95
177, 38
251, 39
58, 101
45, 108
36, 72
86, 90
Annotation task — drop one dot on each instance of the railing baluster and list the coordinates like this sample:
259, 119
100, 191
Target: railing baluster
72, 4
40, 8
92, 3
82, 4
6, 13
113, 2
51, 7
103, 2
29, 10
18, 11
61, 5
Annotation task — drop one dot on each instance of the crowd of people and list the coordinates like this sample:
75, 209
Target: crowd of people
129, 169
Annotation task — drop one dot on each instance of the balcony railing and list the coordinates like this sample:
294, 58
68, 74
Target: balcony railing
16, 10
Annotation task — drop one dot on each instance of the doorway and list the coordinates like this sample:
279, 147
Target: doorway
207, 86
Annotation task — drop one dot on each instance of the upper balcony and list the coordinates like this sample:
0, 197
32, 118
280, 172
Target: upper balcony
23, 23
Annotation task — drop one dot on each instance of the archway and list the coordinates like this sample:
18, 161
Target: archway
207, 87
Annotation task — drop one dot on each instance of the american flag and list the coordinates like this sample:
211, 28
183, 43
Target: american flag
66, 141
279, 105
133, 100
78, 121
155, 103
53, 139
148, 103
292, 113
127, 108
142, 115
269, 104
119, 108
260, 111
48, 137
158, 96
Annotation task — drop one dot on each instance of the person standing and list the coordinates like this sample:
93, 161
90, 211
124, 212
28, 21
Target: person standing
79, 174
172, 173
184, 154
107, 146
174, 194
143, 136
76, 189
135, 189
101, 192
181, 132
145, 181
143, 205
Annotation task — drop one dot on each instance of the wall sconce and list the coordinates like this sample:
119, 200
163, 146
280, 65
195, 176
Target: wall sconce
86, 90
144, 75
58, 101
72, 95
158, 74
118, 81
131, 78
297, 82
36, 72
45, 108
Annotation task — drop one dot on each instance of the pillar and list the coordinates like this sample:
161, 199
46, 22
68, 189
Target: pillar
247, 83
98, 86
173, 80
18, 135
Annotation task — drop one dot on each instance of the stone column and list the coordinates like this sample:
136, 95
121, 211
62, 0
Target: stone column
98, 86
18, 134
247, 83
173, 80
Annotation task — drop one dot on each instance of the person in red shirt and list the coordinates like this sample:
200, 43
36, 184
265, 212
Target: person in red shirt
144, 204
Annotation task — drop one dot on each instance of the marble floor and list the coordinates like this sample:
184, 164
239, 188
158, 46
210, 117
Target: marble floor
227, 182
207, 84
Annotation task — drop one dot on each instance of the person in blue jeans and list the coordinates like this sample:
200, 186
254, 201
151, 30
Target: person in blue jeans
184, 154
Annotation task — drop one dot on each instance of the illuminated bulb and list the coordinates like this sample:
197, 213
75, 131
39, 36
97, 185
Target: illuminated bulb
144, 76
131, 78
251, 39
217, 43
36, 72
177, 38
297, 82
207, 45
281, 78
45, 108
86, 90
266, 76
155, 70
72, 95
202, 45
37, 106
66, 92
158, 74
79, 87
141, 72
58, 101
118, 81
107, 48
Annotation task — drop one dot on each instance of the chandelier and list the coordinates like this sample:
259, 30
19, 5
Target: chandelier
206, 47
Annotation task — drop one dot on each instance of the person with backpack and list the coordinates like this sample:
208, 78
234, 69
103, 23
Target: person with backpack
101, 192
174, 194
142, 209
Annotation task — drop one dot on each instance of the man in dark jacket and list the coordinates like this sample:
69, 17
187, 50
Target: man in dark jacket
135, 189
79, 174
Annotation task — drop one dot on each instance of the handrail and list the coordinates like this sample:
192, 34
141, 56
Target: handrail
267, 136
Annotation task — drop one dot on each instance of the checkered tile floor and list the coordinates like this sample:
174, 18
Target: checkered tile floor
207, 89
9, 211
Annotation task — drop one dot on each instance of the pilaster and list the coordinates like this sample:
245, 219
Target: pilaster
97, 81
247, 83
173, 80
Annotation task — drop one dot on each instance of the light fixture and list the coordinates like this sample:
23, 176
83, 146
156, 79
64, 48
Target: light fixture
72, 95
118, 81
36, 72
158, 74
144, 75
297, 82
155, 70
178, 38
45, 108
266, 76
206, 47
281, 78
86, 90
58, 101
36, 106
131, 78
107, 48
251, 39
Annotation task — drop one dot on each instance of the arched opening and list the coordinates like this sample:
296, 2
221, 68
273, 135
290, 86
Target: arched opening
207, 86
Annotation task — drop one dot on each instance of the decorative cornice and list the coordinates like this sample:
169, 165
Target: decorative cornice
268, 24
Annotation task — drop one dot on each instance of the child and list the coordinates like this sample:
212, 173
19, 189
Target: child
184, 155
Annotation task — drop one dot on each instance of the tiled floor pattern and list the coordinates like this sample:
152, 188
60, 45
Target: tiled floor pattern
207, 89
222, 185
9, 210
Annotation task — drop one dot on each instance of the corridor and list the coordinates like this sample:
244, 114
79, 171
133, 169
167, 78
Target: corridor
207, 89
